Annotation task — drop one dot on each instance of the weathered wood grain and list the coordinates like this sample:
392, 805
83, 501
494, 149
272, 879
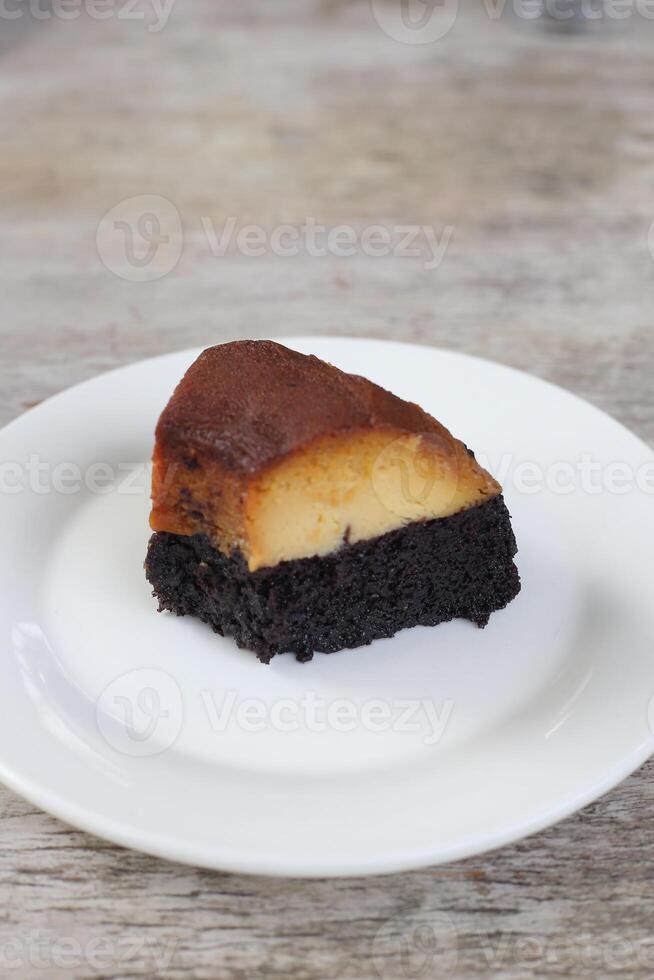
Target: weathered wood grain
537, 150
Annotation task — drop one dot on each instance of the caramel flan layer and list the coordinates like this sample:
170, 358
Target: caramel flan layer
282, 456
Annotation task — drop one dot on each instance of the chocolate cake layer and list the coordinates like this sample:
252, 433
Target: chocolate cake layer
426, 573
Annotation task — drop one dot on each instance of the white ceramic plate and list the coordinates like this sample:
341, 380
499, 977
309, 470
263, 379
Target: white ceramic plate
440, 743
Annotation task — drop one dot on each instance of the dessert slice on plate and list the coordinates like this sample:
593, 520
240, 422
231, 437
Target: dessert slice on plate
297, 508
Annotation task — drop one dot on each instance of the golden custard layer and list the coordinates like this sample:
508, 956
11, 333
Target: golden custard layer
283, 456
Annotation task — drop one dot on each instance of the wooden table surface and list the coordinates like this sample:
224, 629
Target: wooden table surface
535, 149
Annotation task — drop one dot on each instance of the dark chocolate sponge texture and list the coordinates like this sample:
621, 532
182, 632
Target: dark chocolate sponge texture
426, 573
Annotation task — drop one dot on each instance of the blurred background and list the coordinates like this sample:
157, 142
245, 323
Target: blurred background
515, 140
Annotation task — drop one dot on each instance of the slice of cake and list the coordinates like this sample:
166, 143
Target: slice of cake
298, 508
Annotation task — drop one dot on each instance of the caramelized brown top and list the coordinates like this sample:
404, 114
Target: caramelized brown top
250, 403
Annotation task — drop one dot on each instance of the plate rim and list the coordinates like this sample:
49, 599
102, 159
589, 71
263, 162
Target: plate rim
164, 846
234, 861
